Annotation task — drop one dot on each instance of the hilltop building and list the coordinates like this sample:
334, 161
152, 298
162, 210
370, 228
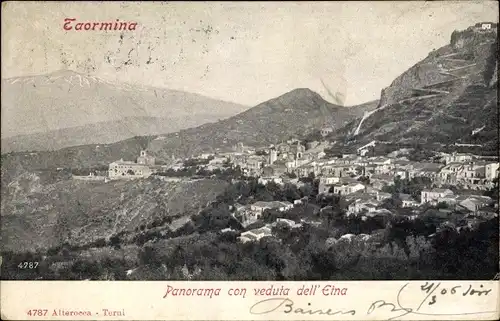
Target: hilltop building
144, 167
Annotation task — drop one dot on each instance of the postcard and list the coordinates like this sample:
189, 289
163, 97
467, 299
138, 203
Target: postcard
249, 160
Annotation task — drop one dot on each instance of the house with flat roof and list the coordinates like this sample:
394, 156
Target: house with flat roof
432, 195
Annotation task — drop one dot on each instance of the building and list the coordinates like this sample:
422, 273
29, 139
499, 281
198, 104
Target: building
326, 182
362, 205
206, 155
286, 222
305, 170
348, 188
325, 131
273, 156
486, 26
145, 159
253, 165
363, 150
491, 171
449, 173
298, 149
313, 155
472, 173
383, 196
266, 180
240, 148
335, 170
475, 203
278, 168
458, 158
128, 169
432, 196
255, 235
450, 200
218, 160
429, 170
260, 207
283, 148
402, 174
408, 201
245, 215
378, 181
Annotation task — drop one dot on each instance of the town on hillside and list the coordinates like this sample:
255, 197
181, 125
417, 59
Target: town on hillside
455, 187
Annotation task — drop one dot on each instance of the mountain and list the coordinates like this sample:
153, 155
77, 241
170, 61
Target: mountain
66, 108
103, 132
298, 111
449, 97
293, 114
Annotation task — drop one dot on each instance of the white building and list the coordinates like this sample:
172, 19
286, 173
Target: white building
407, 200
491, 171
474, 203
260, 207
273, 156
326, 130
348, 189
129, 169
432, 196
458, 158
361, 205
266, 180
326, 182
255, 235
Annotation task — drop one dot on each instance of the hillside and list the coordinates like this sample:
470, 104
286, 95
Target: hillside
81, 109
292, 114
449, 97
40, 211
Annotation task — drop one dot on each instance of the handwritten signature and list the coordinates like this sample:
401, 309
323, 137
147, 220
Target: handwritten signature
273, 304
288, 306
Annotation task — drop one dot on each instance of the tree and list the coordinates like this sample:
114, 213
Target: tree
364, 179
441, 205
392, 203
290, 193
493, 192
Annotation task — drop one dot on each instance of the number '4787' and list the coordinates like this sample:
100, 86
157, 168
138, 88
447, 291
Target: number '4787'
37, 312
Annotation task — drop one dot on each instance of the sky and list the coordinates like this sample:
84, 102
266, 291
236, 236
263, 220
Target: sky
244, 52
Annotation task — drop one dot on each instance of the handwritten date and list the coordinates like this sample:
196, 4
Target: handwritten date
431, 289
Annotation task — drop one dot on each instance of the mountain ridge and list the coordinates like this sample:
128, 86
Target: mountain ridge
443, 98
65, 99
294, 113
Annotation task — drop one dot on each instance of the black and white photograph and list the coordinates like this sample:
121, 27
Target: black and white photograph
250, 141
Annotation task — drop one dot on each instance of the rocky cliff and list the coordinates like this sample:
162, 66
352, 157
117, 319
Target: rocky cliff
449, 97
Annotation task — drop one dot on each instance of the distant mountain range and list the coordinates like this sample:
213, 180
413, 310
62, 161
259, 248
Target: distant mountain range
293, 114
65, 108
450, 97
